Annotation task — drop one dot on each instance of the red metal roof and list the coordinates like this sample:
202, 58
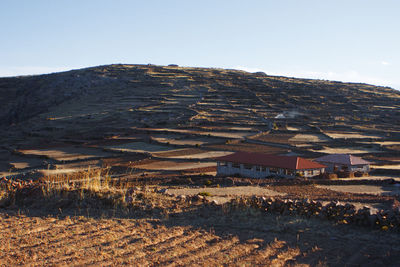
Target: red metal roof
268, 160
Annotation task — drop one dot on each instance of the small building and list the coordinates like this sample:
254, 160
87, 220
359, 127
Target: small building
259, 165
344, 162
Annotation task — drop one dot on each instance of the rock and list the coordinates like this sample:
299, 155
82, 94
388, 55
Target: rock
197, 198
214, 202
181, 197
163, 190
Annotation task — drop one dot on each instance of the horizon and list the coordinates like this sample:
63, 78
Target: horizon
343, 41
203, 67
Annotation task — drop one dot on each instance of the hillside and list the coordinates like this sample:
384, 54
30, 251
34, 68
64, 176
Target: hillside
116, 165
155, 89
185, 107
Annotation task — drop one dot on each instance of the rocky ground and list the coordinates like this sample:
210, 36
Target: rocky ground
98, 225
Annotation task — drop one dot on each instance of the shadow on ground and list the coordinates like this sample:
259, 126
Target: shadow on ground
290, 239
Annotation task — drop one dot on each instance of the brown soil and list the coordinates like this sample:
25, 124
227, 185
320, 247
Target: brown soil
170, 165
182, 152
77, 109
202, 170
197, 237
246, 147
275, 138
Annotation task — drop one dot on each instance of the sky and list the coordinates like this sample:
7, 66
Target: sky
345, 40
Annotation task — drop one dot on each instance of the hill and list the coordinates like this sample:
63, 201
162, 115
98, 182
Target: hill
109, 100
305, 116
172, 87
118, 161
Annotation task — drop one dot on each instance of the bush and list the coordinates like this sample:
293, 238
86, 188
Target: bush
208, 182
358, 174
205, 194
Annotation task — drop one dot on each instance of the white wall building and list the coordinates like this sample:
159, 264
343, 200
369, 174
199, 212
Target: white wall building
259, 165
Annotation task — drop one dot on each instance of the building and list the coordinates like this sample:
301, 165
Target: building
344, 162
259, 165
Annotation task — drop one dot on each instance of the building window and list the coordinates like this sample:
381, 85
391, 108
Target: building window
223, 163
236, 165
247, 166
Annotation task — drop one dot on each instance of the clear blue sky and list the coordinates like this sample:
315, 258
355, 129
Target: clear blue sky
349, 40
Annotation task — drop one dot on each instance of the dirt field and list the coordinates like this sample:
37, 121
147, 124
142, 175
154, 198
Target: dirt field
246, 147
197, 238
308, 138
390, 167
174, 165
67, 153
180, 152
345, 150
205, 155
364, 189
179, 140
23, 162
140, 147
350, 135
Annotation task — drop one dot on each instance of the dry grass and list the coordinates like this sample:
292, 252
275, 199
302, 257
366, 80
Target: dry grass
86, 221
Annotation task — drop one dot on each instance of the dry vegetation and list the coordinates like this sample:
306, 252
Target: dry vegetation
86, 220
86, 155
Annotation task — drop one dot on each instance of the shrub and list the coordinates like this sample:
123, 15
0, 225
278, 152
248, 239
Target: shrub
358, 174
205, 194
208, 182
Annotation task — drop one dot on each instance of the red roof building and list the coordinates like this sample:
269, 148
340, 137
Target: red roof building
260, 165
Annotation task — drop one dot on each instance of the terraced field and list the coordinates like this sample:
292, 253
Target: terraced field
147, 124
121, 110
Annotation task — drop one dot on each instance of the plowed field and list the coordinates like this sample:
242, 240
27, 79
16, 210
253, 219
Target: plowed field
198, 238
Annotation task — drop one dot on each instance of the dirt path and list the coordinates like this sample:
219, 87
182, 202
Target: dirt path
225, 194
364, 189
227, 191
